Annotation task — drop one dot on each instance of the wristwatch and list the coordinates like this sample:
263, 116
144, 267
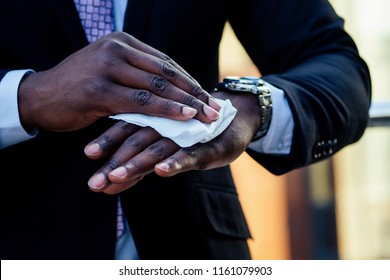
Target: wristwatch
255, 86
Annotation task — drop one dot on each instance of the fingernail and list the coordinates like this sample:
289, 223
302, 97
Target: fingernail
211, 113
213, 104
189, 112
97, 182
120, 172
92, 149
163, 166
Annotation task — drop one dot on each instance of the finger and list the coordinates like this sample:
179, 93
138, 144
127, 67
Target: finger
144, 162
164, 66
197, 157
132, 146
115, 99
168, 69
118, 188
110, 140
152, 60
145, 71
137, 44
135, 78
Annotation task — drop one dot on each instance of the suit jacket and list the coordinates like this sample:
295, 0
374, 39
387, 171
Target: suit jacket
47, 210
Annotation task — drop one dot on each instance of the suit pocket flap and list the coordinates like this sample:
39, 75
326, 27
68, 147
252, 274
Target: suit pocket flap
224, 213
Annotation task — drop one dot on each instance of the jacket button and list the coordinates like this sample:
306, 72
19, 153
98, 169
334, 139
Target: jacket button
317, 150
323, 148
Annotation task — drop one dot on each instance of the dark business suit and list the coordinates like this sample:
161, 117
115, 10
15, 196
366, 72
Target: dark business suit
48, 212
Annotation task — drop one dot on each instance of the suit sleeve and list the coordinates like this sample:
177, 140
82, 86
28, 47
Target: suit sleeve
301, 47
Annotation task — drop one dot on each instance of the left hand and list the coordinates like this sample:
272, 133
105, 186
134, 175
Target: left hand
136, 152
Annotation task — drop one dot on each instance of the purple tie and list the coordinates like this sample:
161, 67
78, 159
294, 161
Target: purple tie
120, 225
97, 19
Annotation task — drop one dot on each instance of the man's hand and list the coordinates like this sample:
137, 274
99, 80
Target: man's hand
115, 74
136, 152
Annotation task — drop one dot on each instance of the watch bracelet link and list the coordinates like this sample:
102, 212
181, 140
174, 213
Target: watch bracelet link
265, 103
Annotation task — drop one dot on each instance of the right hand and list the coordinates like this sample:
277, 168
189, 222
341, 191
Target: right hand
115, 74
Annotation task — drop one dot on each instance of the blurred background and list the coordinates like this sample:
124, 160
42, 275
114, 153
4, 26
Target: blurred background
338, 208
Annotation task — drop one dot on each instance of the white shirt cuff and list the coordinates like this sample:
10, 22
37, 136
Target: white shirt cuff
11, 130
278, 139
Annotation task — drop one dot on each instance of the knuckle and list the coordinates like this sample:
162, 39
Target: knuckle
94, 85
190, 100
173, 162
190, 153
200, 163
125, 126
98, 85
109, 45
167, 106
157, 150
136, 164
142, 97
105, 142
165, 57
197, 91
133, 142
168, 70
108, 63
120, 35
160, 84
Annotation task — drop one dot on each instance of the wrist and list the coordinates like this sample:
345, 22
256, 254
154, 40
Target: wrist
248, 112
25, 103
252, 86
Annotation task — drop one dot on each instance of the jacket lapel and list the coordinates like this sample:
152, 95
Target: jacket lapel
69, 20
136, 16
